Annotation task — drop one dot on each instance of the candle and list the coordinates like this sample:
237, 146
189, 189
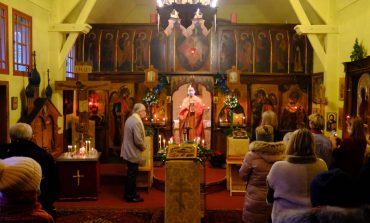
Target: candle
160, 141
82, 150
164, 143
87, 142
203, 142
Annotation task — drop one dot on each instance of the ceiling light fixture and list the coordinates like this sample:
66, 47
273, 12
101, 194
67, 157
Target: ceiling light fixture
185, 12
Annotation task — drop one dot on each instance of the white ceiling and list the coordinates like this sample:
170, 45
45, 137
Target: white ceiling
248, 11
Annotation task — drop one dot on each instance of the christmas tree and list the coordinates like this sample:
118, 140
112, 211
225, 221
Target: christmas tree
358, 51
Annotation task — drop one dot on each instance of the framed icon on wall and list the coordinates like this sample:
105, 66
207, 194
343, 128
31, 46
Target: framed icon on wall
151, 77
233, 76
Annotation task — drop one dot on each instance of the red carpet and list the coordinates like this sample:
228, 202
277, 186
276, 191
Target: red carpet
215, 178
220, 206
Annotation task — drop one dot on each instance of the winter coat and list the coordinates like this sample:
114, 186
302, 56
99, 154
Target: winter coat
335, 214
256, 165
290, 181
133, 140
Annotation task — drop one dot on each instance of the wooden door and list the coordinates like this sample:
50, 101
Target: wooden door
48, 134
4, 117
38, 125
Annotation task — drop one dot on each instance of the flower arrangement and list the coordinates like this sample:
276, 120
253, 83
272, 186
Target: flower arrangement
150, 98
217, 158
231, 102
203, 153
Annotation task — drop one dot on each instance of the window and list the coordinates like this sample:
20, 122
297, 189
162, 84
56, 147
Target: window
70, 64
22, 39
4, 62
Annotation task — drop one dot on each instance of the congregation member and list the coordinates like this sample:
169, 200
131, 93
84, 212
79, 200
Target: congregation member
336, 188
323, 144
335, 197
20, 180
364, 181
270, 118
256, 165
287, 135
21, 135
131, 150
289, 180
348, 154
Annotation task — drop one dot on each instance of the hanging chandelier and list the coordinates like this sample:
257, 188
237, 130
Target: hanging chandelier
185, 12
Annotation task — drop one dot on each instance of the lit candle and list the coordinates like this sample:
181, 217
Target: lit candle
82, 151
203, 142
160, 142
164, 143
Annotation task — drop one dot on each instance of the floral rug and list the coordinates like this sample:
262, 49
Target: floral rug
137, 215
108, 215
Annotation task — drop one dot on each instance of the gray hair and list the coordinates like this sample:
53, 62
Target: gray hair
21, 131
138, 107
269, 118
316, 121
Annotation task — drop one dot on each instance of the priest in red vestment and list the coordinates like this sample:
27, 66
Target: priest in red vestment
191, 117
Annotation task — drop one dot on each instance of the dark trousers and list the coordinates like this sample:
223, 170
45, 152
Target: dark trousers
130, 183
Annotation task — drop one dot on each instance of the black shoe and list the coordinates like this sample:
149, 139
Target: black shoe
128, 197
135, 200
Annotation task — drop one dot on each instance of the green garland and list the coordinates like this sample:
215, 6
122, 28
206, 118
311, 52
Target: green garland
231, 102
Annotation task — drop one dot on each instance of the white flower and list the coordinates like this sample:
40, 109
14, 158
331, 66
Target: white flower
150, 98
231, 102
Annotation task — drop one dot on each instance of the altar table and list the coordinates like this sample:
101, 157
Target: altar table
79, 177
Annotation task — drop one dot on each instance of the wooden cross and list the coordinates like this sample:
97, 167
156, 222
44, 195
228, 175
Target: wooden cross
83, 88
78, 176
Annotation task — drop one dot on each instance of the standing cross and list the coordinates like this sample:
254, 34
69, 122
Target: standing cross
82, 88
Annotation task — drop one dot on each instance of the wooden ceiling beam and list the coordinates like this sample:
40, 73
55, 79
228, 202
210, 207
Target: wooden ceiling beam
73, 28
312, 31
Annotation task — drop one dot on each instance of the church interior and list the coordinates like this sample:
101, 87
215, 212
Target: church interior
73, 69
